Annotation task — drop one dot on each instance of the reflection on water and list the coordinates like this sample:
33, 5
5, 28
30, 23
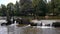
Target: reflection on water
30, 29
36, 30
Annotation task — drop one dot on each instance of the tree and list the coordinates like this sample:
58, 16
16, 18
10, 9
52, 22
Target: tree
10, 8
3, 10
40, 7
55, 6
17, 9
10, 12
26, 6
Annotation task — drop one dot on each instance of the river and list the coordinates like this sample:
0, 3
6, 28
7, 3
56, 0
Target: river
29, 30
35, 30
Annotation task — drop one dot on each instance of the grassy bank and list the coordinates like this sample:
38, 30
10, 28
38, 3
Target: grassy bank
42, 17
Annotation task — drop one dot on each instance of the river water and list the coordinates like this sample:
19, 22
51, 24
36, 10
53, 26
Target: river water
35, 30
28, 30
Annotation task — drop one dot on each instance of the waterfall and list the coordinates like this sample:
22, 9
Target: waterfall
43, 24
15, 27
15, 24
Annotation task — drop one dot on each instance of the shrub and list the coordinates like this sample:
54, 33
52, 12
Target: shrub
56, 24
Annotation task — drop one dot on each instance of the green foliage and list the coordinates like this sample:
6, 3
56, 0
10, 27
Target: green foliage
17, 9
31, 8
10, 8
55, 7
40, 7
3, 10
26, 7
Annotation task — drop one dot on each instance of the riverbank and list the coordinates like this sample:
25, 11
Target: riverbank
41, 17
34, 17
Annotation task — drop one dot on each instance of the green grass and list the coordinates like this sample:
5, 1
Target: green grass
42, 17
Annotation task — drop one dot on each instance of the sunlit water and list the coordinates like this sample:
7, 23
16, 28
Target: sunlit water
3, 30
29, 30
12, 29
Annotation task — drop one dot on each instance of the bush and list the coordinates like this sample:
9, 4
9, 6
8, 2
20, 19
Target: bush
33, 24
23, 21
47, 25
56, 24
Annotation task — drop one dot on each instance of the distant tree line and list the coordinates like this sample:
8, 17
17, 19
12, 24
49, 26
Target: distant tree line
31, 8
